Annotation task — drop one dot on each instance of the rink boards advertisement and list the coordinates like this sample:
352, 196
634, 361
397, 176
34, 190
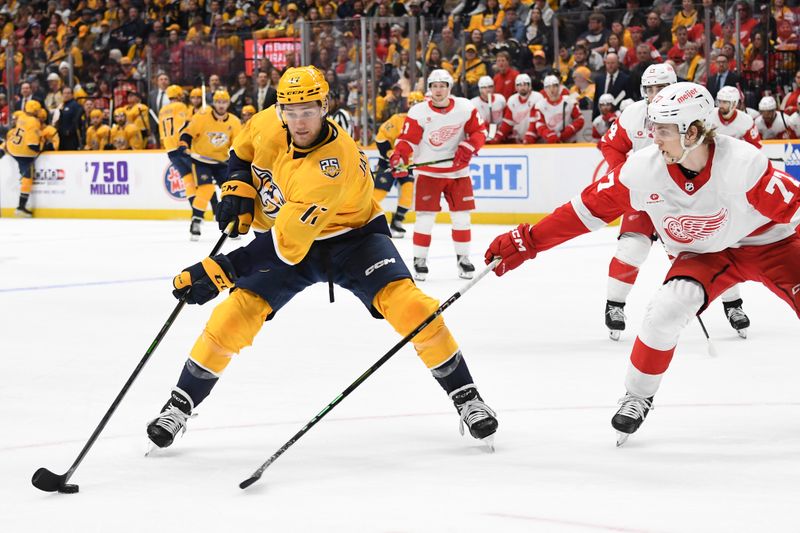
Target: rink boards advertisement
511, 184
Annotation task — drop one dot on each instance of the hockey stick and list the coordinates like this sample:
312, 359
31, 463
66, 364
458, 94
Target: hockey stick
363, 377
44, 479
426, 164
712, 351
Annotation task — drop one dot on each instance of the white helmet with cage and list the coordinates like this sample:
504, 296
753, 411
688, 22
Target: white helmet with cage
768, 103
682, 104
485, 82
522, 79
658, 74
729, 94
440, 75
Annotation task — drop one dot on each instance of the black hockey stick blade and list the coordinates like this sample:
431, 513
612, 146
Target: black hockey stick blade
45, 480
249, 481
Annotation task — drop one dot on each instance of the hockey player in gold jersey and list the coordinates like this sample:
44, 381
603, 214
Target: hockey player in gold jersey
385, 139
247, 113
50, 140
98, 135
297, 175
125, 136
23, 143
209, 136
172, 119
137, 114
195, 101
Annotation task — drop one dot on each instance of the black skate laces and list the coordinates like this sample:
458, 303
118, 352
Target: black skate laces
473, 411
634, 407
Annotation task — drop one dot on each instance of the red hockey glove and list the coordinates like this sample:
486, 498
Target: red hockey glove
398, 162
464, 154
568, 132
513, 248
530, 138
552, 138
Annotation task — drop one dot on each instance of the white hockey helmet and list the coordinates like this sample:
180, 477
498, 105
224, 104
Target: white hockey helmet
521, 79
658, 74
551, 80
485, 81
606, 99
440, 75
682, 104
768, 103
729, 94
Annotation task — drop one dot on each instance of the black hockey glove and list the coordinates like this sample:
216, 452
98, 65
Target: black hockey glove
237, 204
203, 281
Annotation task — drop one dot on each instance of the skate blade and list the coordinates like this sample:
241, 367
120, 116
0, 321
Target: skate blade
420, 277
398, 235
151, 447
614, 334
622, 438
194, 238
465, 275
742, 332
489, 442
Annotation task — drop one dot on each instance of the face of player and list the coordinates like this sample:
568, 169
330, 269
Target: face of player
246, 116
96, 121
304, 122
651, 91
668, 140
119, 119
606, 108
196, 101
524, 89
553, 91
221, 106
769, 116
486, 92
440, 92
726, 108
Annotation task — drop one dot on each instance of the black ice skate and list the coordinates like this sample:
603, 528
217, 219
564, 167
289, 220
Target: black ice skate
23, 212
420, 268
163, 429
465, 269
194, 228
397, 229
615, 319
479, 418
630, 416
736, 316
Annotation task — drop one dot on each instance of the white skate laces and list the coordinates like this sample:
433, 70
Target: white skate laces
473, 411
634, 407
736, 314
615, 313
172, 419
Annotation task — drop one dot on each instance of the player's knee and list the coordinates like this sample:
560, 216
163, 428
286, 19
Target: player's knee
670, 310
235, 322
461, 219
403, 305
633, 248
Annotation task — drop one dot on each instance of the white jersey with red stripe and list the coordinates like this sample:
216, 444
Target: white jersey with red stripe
737, 200
434, 133
780, 128
632, 131
555, 116
517, 114
602, 123
491, 111
739, 126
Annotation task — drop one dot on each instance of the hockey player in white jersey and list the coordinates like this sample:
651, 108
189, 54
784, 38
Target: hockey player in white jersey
728, 120
444, 128
771, 123
490, 105
556, 118
722, 210
606, 118
517, 115
633, 131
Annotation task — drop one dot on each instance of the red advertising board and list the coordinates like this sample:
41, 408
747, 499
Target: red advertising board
273, 49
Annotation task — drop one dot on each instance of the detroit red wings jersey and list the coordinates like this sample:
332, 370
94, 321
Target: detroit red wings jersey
738, 200
517, 115
492, 111
602, 123
632, 131
740, 126
780, 128
554, 116
435, 133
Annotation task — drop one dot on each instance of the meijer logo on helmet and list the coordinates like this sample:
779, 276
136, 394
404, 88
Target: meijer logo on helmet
688, 94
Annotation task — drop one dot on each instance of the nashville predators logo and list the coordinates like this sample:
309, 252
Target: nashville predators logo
271, 196
330, 167
217, 138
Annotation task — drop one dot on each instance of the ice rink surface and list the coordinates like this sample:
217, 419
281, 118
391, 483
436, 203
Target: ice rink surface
80, 301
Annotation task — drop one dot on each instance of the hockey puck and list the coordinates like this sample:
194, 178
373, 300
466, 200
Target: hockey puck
68, 489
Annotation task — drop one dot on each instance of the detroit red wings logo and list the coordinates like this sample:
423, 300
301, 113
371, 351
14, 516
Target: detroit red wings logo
689, 228
444, 134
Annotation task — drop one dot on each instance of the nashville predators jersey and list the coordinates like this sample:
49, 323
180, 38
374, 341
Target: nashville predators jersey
212, 137
97, 137
127, 137
24, 139
50, 135
391, 129
305, 194
171, 120
137, 115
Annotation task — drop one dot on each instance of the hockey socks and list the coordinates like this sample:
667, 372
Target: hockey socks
195, 382
453, 374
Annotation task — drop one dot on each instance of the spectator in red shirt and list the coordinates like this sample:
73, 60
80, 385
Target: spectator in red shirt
677, 53
746, 21
789, 104
505, 76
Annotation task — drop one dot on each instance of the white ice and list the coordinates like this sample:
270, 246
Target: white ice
80, 302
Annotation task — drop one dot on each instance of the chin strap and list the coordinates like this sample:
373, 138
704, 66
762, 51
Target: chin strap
686, 150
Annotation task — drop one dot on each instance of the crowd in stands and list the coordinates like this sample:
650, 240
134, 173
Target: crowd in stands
78, 57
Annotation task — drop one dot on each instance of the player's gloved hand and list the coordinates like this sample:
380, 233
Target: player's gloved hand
552, 138
514, 248
463, 154
238, 203
398, 163
203, 281
530, 138
182, 149
568, 132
